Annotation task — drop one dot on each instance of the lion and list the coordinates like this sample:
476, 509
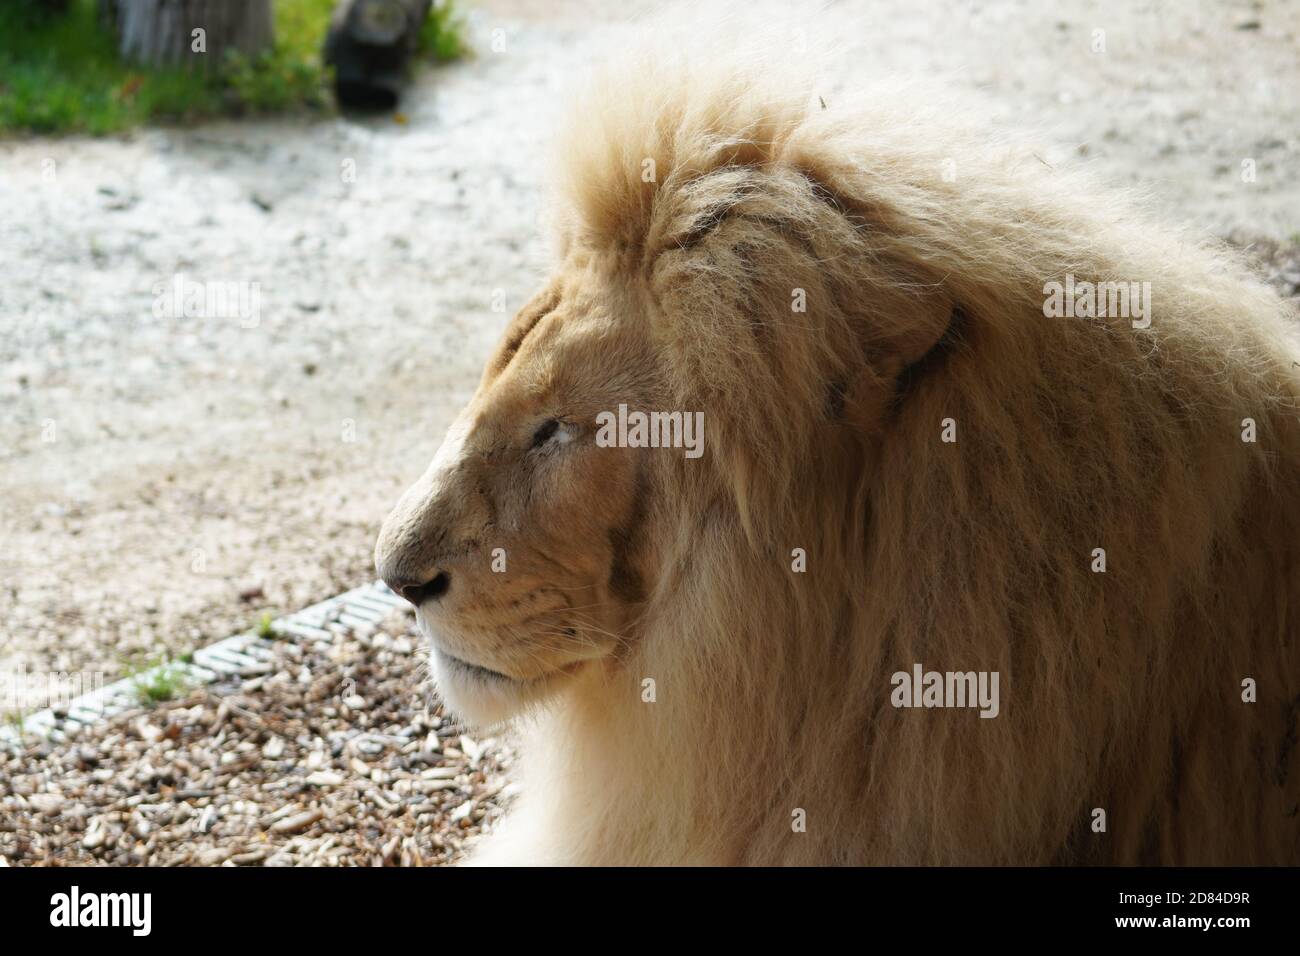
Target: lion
909, 464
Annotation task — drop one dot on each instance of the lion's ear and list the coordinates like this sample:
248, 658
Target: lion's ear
922, 352
900, 350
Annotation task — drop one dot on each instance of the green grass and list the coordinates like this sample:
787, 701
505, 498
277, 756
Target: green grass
443, 35
158, 680
266, 628
62, 74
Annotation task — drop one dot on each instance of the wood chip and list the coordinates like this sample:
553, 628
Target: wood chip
298, 822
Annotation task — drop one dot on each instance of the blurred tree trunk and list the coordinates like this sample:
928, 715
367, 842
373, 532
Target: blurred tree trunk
189, 32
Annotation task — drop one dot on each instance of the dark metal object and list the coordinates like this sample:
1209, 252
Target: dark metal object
370, 45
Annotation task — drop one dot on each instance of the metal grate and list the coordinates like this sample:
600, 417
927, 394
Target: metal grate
242, 655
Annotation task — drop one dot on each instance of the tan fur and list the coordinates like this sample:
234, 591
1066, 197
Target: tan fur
1119, 690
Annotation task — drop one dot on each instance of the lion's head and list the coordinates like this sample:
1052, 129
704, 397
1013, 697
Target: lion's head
713, 295
716, 271
519, 546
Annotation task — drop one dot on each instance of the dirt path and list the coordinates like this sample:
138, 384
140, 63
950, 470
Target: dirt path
156, 468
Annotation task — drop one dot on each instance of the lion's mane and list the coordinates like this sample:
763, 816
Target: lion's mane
1120, 690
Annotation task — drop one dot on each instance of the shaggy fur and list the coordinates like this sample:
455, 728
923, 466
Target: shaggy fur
924, 302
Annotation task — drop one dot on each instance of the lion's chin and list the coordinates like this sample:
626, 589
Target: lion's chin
485, 698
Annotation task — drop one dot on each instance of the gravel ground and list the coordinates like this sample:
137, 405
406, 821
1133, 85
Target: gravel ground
329, 755
167, 480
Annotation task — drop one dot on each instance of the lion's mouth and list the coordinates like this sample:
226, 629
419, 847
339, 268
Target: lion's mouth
485, 696
477, 670
466, 670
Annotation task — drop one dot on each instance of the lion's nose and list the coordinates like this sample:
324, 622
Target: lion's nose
417, 593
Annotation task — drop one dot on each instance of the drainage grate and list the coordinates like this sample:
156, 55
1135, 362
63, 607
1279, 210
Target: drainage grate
242, 655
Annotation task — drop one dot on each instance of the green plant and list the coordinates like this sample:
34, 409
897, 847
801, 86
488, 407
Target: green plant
272, 82
266, 628
443, 34
60, 72
158, 680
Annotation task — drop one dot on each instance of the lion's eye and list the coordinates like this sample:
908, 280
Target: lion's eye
545, 432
